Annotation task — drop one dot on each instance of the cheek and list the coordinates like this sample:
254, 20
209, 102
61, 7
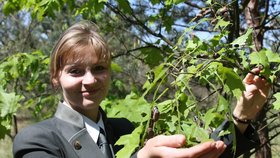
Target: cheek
68, 83
107, 80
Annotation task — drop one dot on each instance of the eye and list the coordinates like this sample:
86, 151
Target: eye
99, 68
75, 71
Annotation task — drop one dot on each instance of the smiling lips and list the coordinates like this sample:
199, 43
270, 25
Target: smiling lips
89, 93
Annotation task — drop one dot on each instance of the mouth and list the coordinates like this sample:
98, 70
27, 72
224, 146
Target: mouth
89, 93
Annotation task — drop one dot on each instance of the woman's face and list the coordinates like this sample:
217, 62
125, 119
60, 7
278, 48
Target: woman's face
84, 86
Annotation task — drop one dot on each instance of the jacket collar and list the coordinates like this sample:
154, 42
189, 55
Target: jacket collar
69, 115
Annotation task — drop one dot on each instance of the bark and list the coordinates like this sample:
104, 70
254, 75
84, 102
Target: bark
265, 150
253, 20
256, 22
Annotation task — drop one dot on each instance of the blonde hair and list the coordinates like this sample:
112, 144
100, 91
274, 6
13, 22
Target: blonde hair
76, 38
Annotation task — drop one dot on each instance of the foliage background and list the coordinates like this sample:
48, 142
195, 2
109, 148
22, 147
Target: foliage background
187, 58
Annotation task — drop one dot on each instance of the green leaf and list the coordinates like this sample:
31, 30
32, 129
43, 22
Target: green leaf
152, 56
271, 56
9, 103
130, 142
157, 74
125, 6
208, 117
154, 2
116, 68
3, 130
224, 132
165, 106
231, 80
240, 41
221, 23
133, 107
168, 23
276, 103
260, 58
223, 104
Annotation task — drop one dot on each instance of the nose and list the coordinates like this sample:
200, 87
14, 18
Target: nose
88, 78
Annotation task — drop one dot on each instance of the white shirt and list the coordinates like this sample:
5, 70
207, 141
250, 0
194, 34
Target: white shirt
91, 126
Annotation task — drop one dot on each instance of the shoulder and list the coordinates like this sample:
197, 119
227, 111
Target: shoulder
38, 137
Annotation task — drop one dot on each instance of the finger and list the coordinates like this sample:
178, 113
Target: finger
200, 149
220, 147
174, 141
251, 75
193, 152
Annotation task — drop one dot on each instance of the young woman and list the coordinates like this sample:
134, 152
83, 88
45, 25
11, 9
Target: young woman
80, 68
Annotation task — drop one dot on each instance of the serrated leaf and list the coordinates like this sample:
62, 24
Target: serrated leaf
3, 131
9, 103
165, 106
221, 23
260, 58
271, 56
276, 103
130, 142
242, 39
152, 56
223, 104
231, 80
208, 117
158, 73
133, 107
201, 134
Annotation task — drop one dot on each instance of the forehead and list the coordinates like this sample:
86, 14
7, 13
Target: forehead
85, 55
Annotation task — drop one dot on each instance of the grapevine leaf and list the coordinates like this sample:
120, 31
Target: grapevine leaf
276, 103
242, 39
154, 77
231, 80
152, 56
9, 103
133, 107
223, 104
165, 106
3, 130
221, 23
271, 56
208, 117
130, 142
260, 58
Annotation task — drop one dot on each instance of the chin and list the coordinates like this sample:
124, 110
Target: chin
90, 104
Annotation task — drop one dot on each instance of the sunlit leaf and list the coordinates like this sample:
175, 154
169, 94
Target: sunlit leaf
276, 103
240, 41
130, 142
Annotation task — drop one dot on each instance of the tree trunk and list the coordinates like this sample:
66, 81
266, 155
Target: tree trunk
265, 150
255, 21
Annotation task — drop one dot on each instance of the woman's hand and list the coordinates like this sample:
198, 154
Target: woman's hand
171, 147
252, 99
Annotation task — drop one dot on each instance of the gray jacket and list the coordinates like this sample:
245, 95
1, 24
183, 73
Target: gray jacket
65, 136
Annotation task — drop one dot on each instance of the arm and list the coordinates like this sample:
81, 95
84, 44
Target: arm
246, 109
252, 100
